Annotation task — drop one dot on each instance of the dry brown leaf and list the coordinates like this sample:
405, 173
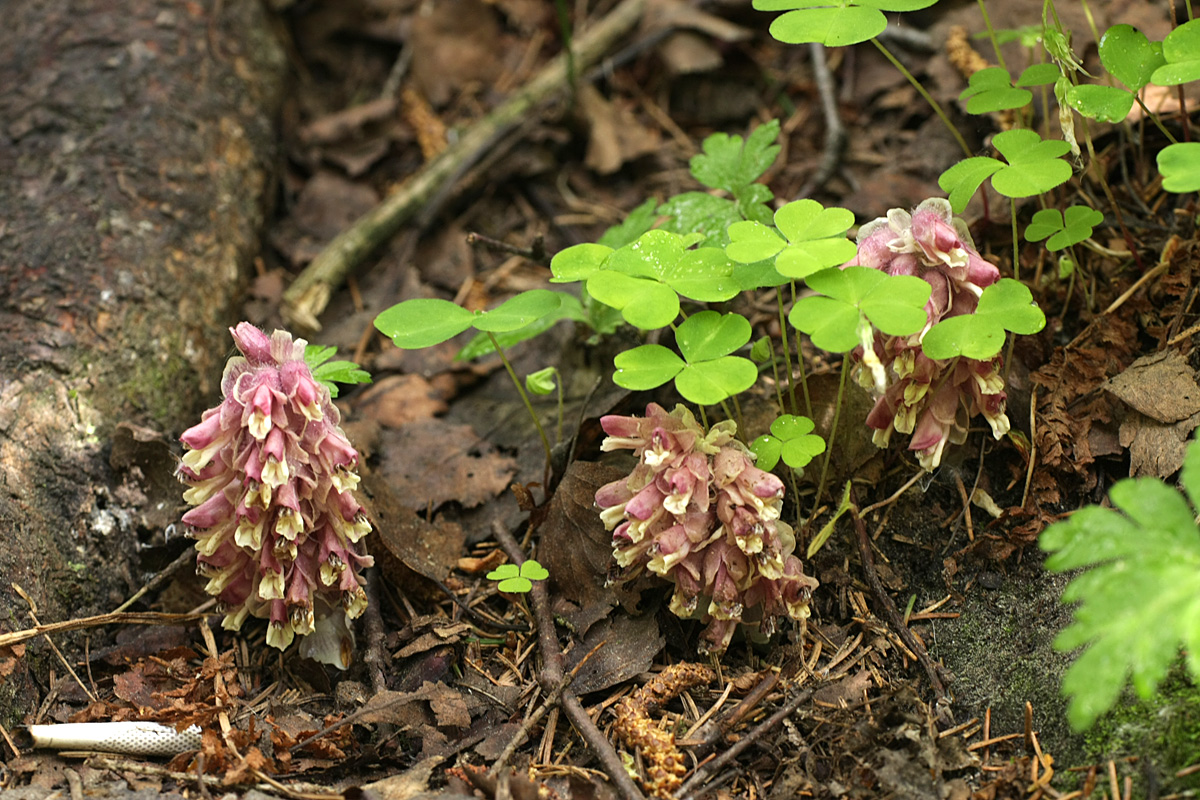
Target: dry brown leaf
430, 462
399, 399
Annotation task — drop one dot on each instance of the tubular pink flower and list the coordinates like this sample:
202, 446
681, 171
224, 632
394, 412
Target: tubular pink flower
696, 511
931, 400
271, 475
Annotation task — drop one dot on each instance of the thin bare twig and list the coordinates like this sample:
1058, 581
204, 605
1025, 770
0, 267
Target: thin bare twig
551, 677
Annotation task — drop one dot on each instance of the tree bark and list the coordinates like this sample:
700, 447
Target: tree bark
137, 146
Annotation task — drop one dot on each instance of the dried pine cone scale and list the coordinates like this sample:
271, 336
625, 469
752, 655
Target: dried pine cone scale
277, 527
696, 511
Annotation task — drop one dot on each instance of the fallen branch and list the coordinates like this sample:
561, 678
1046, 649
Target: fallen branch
115, 618
309, 294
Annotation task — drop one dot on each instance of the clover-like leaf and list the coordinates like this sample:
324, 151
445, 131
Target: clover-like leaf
961, 180
704, 274
423, 322
753, 241
728, 163
1129, 56
1063, 229
570, 307
710, 382
1105, 103
1034, 164
893, 304
646, 367
578, 262
766, 449
815, 239
1139, 598
1180, 167
541, 382
1006, 305
644, 303
833, 23
1181, 51
518, 311
331, 373
707, 335
800, 444
990, 89
1039, 75
518, 580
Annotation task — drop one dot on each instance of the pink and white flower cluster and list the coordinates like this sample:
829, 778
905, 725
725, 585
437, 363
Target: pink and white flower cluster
696, 511
933, 401
276, 524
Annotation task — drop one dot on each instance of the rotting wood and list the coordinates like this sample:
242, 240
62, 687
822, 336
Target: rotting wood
309, 294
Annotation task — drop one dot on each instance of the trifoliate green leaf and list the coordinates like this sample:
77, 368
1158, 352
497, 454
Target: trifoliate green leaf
423, 322
646, 367
578, 262
961, 181
1105, 103
518, 311
990, 90
710, 382
1034, 164
893, 304
1006, 305
570, 308
1181, 51
707, 335
1129, 56
1180, 167
1063, 229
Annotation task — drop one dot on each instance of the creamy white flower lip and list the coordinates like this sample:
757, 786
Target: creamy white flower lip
127, 738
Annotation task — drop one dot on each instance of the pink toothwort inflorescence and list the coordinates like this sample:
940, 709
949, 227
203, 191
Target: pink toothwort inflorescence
276, 524
696, 511
933, 401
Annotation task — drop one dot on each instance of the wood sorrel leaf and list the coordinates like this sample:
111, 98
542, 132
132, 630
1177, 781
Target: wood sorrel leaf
1039, 75
646, 367
893, 304
815, 239
1062, 229
1105, 103
707, 335
1034, 164
644, 303
578, 262
753, 241
1181, 51
704, 274
990, 89
423, 322
710, 382
767, 449
1129, 56
1139, 600
519, 311
570, 308
962, 180
1180, 167
1004, 306
800, 444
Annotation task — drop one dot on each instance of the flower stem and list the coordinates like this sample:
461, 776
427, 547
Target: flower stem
528, 406
837, 413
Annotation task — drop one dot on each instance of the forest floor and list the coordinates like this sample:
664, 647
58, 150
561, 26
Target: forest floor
438, 691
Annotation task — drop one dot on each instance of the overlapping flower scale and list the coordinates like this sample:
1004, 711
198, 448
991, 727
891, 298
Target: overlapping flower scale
933, 401
696, 511
277, 528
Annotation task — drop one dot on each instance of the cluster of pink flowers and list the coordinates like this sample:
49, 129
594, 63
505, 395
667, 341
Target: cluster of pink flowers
932, 400
696, 511
276, 523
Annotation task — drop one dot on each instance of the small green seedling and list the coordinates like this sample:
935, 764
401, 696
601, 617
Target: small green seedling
707, 373
518, 580
833, 23
1181, 52
1035, 165
853, 299
1006, 305
816, 239
792, 440
1139, 598
330, 373
1180, 167
1063, 229
1129, 57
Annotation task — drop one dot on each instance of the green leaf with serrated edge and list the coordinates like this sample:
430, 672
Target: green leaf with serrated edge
710, 382
1004, 306
832, 27
534, 571
1034, 164
962, 180
1129, 56
1063, 230
728, 164
767, 449
570, 308
646, 367
751, 203
423, 322
709, 334
1039, 75
518, 311
541, 382
315, 355
332, 373
1105, 103
640, 220
704, 274
578, 262
990, 89
1139, 601
644, 303
1180, 167
700, 213
753, 241
1181, 51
